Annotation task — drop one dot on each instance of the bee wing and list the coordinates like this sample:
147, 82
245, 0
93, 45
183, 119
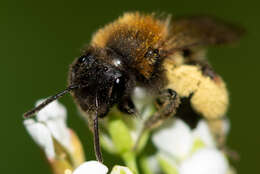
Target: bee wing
202, 30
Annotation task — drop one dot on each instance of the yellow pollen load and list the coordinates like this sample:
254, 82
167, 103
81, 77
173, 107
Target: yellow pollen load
209, 98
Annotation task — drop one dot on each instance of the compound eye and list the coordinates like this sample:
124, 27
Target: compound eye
82, 59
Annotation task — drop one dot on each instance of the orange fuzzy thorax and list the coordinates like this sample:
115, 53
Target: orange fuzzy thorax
138, 32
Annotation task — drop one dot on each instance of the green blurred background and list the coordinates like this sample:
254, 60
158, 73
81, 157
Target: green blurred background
39, 39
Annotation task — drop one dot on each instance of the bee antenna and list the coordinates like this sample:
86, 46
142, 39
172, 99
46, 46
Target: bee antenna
29, 113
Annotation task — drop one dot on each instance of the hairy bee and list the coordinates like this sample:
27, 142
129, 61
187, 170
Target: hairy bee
165, 56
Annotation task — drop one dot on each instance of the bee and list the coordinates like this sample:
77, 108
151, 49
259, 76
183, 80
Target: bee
162, 55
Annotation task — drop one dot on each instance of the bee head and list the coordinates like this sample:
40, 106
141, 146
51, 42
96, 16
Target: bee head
101, 80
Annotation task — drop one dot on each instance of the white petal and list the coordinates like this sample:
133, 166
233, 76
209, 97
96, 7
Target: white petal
60, 132
54, 117
139, 93
121, 170
91, 167
205, 161
175, 139
153, 164
52, 111
203, 133
41, 135
140, 98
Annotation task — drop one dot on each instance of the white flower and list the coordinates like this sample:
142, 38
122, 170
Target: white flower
205, 161
50, 124
152, 164
95, 167
91, 167
175, 139
189, 151
203, 134
41, 135
54, 116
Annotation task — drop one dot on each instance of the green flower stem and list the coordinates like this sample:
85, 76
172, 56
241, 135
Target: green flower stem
130, 161
167, 167
145, 166
120, 135
141, 142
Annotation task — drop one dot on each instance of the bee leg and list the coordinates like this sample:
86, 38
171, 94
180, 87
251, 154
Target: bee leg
96, 140
127, 106
167, 102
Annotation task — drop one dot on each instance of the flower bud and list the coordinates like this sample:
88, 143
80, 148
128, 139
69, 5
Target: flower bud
61, 145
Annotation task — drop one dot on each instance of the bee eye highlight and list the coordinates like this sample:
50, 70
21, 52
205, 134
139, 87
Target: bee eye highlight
82, 59
117, 80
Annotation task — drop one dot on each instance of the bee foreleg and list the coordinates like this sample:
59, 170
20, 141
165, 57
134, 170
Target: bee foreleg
96, 140
127, 106
167, 103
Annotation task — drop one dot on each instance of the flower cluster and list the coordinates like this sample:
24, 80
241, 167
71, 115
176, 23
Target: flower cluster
61, 145
185, 151
180, 150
